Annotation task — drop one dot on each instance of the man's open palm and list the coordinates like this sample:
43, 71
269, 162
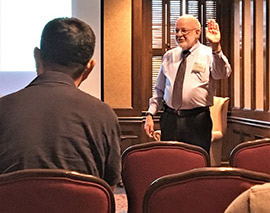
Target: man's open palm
212, 32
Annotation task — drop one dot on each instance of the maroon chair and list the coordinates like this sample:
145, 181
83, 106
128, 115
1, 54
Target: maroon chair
143, 163
208, 190
252, 155
54, 191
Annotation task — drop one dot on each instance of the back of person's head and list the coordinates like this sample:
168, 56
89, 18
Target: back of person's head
67, 42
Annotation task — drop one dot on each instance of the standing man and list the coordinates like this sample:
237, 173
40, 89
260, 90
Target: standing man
186, 83
51, 123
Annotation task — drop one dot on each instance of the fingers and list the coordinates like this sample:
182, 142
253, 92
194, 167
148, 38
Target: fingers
213, 26
151, 134
149, 131
149, 127
212, 32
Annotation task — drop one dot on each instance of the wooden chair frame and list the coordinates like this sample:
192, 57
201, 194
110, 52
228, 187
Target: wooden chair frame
153, 146
58, 175
199, 174
247, 145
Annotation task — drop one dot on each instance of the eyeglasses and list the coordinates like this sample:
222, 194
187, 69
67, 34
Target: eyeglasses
184, 31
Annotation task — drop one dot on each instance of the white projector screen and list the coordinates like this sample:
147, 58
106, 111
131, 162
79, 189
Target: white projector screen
21, 24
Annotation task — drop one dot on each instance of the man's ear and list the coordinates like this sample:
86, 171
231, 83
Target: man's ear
89, 67
39, 64
198, 33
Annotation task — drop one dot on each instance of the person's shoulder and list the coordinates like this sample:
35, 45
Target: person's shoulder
90, 99
96, 104
172, 54
205, 48
11, 96
103, 113
172, 51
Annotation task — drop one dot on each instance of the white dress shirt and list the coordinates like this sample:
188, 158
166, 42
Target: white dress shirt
202, 69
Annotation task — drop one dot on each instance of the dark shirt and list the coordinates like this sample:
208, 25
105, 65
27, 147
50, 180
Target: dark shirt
53, 124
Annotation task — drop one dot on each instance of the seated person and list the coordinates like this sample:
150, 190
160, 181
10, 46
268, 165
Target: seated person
51, 123
255, 199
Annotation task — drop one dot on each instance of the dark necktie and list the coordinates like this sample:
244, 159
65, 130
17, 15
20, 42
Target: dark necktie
179, 80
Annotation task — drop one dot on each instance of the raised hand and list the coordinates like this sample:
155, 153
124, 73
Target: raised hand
212, 32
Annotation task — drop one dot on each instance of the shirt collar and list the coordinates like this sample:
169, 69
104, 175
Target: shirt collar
195, 46
192, 49
53, 77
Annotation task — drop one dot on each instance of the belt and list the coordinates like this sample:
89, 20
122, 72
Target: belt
186, 112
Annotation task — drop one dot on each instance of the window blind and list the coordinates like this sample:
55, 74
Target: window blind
201, 9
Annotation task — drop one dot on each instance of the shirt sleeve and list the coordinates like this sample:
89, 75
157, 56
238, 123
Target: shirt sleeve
221, 67
113, 159
155, 102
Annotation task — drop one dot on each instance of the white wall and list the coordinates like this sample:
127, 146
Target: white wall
87, 10
90, 12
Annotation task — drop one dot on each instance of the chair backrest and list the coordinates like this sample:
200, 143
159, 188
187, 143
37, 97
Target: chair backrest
53, 190
143, 163
219, 118
200, 190
252, 155
219, 114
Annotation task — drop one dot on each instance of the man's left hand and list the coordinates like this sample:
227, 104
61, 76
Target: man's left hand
213, 33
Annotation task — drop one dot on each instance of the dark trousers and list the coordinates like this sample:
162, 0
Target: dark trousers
189, 126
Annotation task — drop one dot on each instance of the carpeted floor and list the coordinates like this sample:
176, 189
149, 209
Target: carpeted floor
120, 200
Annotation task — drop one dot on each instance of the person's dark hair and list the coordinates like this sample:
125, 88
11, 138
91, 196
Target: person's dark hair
67, 42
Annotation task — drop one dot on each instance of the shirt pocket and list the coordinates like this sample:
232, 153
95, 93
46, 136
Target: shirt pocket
201, 72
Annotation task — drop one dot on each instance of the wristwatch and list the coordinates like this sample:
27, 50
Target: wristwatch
149, 113
218, 50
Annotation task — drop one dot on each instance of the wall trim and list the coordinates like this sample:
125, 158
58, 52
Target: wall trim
249, 122
130, 119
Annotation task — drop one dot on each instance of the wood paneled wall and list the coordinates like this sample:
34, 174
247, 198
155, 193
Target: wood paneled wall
117, 53
249, 116
126, 87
